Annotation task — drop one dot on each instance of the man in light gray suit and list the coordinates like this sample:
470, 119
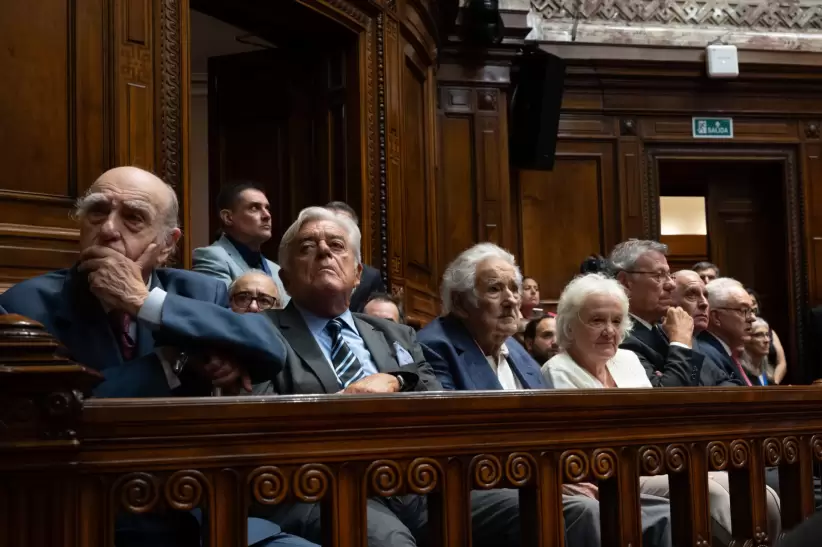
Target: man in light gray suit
245, 217
329, 349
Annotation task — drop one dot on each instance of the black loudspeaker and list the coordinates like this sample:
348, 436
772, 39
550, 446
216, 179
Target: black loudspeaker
535, 106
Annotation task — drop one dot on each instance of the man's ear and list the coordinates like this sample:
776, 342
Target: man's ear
225, 217
359, 275
169, 244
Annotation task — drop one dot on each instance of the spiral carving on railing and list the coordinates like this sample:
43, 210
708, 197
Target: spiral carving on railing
184, 490
717, 456
603, 463
575, 465
790, 448
487, 471
138, 492
520, 468
311, 482
772, 451
676, 458
816, 446
423, 475
269, 485
385, 477
652, 460
740, 453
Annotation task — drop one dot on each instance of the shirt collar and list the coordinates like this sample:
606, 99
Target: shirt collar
724, 345
252, 258
642, 322
317, 324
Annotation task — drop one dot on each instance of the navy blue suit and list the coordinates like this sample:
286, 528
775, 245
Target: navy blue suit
460, 365
194, 318
710, 346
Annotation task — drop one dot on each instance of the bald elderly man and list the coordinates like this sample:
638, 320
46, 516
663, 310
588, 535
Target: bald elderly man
254, 292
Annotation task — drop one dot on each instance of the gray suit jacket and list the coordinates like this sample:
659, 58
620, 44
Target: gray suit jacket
307, 371
222, 260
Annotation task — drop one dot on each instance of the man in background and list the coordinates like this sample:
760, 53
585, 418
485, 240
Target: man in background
708, 271
371, 279
245, 221
385, 306
540, 338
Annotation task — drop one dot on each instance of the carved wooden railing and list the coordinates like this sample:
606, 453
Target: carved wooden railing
68, 465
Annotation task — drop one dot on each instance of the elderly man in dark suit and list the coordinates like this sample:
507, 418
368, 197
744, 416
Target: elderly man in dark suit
118, 312
332, 350
662, 336
371, 279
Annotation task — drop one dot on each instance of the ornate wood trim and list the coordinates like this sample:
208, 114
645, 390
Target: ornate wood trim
794, 213
171, 76
383, 167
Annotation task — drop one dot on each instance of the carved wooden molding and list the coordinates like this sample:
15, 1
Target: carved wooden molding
171, 76
627, 127
812, 130
383, 164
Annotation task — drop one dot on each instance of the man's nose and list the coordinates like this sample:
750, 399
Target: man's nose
703, 304
110, 227
323, 248
266, 215
253, 307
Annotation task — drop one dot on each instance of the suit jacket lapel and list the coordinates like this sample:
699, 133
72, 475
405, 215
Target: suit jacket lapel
480, 372
382, 353
301, 340
526, 369
83, 324
234, 254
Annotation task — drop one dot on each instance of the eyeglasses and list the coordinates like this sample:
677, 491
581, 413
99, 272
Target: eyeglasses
744, 312
659, 277
264, 301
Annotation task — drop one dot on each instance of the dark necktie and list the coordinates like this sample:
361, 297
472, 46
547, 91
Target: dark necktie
345, 363
120, 324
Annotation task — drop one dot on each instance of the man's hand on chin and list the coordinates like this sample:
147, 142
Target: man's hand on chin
117, 280
376, 383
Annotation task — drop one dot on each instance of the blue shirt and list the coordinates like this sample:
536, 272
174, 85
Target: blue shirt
254, 259
350, 335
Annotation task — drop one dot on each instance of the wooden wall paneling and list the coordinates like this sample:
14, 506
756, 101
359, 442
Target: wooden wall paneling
629, 150
457, 193
566, 213
395, 141
56, 120
812, 178
746, 129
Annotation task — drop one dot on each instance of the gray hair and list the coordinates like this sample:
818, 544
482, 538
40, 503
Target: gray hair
253, 271
626, 254
573, 298
460, 276
721, 289
314, 214
759, 322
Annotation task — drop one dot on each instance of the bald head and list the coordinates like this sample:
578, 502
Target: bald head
253, 292
127, 209
690, 294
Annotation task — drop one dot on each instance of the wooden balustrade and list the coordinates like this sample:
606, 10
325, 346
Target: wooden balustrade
67, 465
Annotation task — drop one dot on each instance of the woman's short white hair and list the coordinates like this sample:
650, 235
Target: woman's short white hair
460, 276
573, 298
759, 322
313, 214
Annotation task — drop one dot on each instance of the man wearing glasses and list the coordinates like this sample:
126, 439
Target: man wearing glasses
662, 333
254, 292
729, 324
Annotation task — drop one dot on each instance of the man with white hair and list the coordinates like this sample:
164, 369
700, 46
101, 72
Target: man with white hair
729, 324
691, 295
662, 334
471, 347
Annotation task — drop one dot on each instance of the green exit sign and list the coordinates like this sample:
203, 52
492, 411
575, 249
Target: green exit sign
713, 128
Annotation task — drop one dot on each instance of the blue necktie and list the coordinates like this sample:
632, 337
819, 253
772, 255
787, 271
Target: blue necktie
346, 366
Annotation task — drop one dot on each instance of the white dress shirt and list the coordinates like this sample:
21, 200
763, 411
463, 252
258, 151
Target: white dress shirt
502, 368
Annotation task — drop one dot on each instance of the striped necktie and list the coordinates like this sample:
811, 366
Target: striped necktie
346, 366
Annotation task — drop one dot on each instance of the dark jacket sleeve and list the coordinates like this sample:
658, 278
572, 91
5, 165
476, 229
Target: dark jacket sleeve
249, 338
680, 367
440, 367
427, 379
141, 377
713, 375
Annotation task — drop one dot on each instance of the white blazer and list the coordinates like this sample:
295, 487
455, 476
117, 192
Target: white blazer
625, 369
222, 260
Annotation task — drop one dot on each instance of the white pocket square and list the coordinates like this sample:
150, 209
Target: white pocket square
403, 357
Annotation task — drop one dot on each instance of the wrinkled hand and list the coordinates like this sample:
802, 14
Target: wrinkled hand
376, 383
117, 280
679, 326
226, 374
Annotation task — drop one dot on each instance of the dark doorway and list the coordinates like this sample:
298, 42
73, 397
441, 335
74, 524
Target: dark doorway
745, 217
285, 115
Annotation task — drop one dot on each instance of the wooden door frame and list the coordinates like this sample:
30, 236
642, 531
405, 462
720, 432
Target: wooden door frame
794, 216
365, 19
